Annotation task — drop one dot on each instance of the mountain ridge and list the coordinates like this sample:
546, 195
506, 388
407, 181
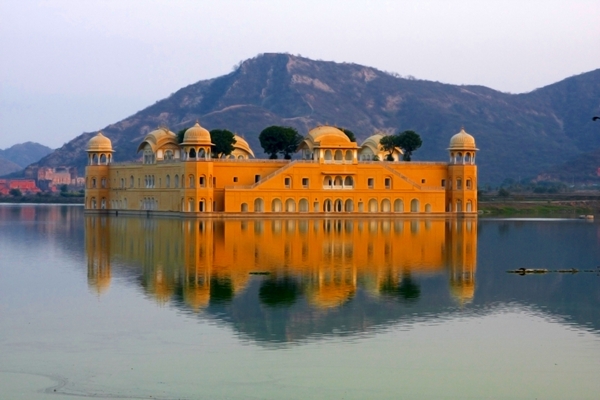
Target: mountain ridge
518, 134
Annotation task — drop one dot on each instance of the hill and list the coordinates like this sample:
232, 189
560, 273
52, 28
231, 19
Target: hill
8, 167
24, 154
519, 135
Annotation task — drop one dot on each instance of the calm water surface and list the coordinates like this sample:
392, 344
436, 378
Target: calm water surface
140, 308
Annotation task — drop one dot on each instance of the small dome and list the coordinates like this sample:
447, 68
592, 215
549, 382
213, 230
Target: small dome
158, 138
99, 143
242, 146
462, 141
196, 135
328, 134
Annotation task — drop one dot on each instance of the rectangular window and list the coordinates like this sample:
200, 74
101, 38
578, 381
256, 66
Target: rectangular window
235, 178
443, 183
305, 183
256, 178
458, 184
288, 182
202, 184
388, 183
422, 180
468, 184
371, 183
214, 181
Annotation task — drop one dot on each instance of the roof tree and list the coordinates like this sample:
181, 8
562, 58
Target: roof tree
408, 141
389, 143
279, 140
223, 141
348, 133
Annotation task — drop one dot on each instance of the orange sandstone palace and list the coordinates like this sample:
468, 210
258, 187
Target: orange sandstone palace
332, 176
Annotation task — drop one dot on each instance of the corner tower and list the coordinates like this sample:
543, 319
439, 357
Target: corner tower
461, 190
99, 151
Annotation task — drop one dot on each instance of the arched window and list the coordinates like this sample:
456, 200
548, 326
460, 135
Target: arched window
327, 206
468, 158
192, 154
303, 205
328, 156
338, 182
258, 205
131, 181
103, 204
168, 181
202, 181
276, 205
168, 154
427, 208
349, 157
103, 159
337, 205
201, 154
93, 182
469, 206
338, 155
176, 181
414, 205
202, 205
94, 159
348, 182
191, 205
93, 205
349, 205
244, 207
398, 205
327, 182
191, 180
458, 206
386, 206
372, 205
290, 205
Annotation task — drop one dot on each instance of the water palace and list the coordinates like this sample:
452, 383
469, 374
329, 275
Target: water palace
333, 176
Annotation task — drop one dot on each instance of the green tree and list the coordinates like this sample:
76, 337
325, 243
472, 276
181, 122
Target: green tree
64, 188
16, 192
348, 133
181, 134
408, 141
223, 141
389, 143
279, 139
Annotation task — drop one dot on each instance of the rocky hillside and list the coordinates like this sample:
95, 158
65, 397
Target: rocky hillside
519, 135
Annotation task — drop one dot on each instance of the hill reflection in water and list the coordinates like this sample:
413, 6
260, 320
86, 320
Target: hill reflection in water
290, 280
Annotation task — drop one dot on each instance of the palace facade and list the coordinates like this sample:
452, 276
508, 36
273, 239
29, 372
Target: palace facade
333, 175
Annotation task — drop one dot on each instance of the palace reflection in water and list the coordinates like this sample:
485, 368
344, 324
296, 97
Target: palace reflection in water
317, 275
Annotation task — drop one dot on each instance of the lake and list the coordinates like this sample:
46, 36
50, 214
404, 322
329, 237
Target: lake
157, 308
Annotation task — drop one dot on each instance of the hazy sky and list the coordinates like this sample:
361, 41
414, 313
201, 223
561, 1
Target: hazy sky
69, 66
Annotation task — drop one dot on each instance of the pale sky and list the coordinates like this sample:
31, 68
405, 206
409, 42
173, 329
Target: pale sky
69, 66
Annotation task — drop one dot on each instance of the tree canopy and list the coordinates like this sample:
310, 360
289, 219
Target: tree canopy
181, 134
223, 141
389, 143
279, 140
348, 133
408, 141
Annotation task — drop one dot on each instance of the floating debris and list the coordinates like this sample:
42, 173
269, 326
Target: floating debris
524, 271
